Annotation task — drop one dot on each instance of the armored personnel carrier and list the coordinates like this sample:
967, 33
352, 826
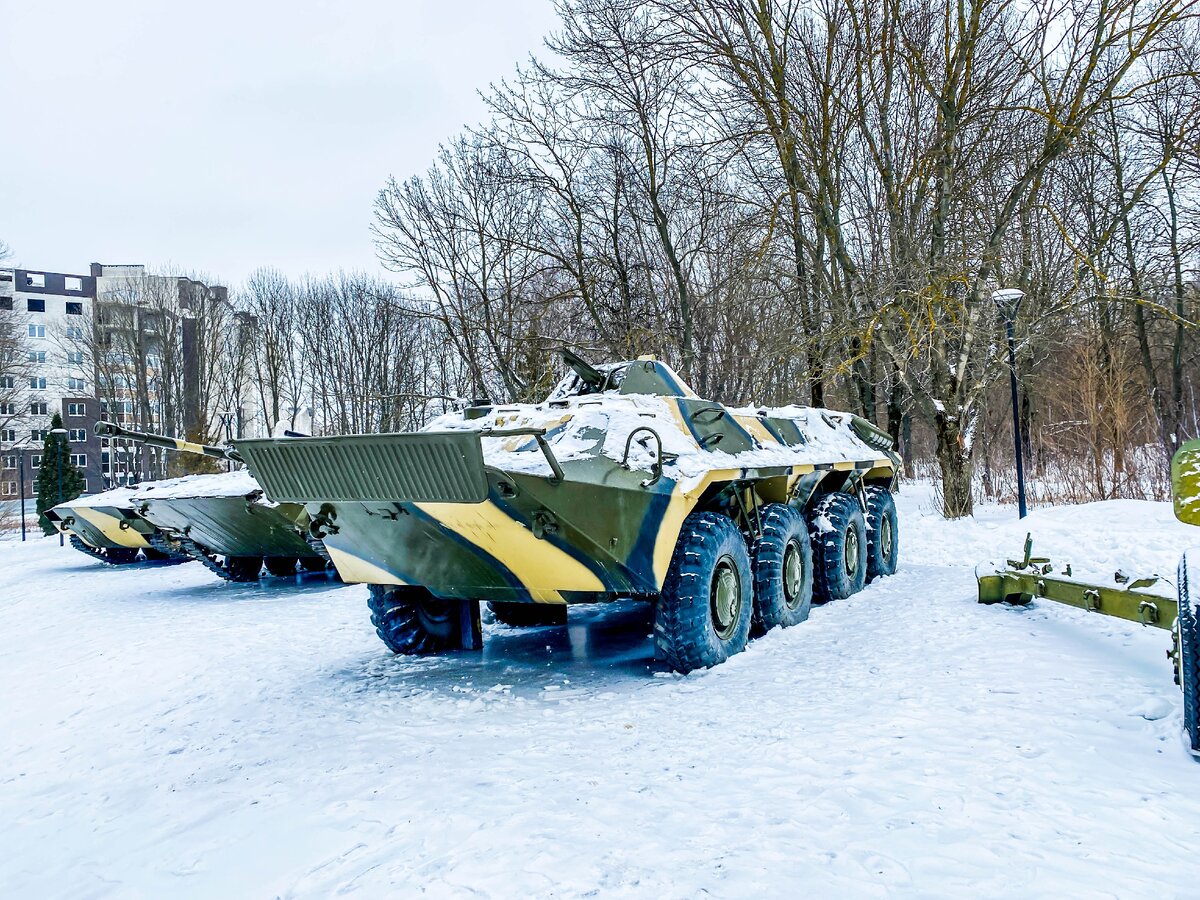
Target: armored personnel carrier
106, 527
221, 520
622, 484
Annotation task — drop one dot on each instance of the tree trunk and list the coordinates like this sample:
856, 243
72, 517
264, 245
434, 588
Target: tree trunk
957, 467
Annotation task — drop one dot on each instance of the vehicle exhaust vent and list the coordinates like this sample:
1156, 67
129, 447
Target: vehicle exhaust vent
445, 467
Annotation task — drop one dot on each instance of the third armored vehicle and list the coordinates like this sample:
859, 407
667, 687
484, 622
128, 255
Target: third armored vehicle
622, 484
106, 527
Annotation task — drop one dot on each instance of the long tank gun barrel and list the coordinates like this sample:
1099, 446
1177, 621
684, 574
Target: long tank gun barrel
111, 429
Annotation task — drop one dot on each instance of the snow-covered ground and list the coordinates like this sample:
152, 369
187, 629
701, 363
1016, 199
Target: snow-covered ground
163, 734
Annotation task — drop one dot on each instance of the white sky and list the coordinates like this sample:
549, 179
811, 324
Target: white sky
221, 136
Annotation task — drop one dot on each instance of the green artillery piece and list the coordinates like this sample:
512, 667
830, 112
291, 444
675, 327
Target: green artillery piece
221, 520
622, 484
1034, 578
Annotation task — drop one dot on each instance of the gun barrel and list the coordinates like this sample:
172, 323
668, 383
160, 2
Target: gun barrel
111, 429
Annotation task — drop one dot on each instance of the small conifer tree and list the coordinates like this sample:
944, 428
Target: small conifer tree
58, 478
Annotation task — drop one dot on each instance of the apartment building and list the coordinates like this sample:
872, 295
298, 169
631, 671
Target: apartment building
45, 317
119, 344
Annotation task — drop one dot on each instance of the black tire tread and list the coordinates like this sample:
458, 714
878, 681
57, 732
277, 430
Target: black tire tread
780, 523
682, 633
843, 511
880, 503
397, 621
1189, 657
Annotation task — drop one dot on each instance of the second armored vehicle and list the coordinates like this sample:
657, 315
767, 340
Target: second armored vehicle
623, 484
222, 520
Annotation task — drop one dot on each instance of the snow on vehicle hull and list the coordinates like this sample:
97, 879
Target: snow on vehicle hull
602, 531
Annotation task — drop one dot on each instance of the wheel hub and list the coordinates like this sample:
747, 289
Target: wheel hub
726, 598
793, 574
885, 537
851, 555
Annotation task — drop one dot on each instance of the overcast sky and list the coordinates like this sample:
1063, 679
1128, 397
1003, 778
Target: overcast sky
222, 136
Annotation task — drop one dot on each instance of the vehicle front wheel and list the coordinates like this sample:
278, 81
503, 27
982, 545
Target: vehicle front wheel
704, 612
782, 556
839, 543
410, 620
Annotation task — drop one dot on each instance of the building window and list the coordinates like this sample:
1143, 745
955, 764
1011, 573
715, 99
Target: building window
38, 408
8, 434
74, 308
35, 305
74, 333
36, 356
37, 383
74, 384
39, 434
79, 459
10, 488
38, 331
8, 409
7, 381
76, 409
10, 462
6, 303
35, 279
77, 435
35, 461
71, 283
75, 356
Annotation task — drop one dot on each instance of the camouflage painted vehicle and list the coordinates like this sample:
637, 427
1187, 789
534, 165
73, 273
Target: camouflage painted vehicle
221, 520
1022, 581
105, 526
622, 484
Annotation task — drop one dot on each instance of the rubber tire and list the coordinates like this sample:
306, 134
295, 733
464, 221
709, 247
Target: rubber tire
409, 620
684, 632
831, 581
120, 556
313, 563
881, 507
243, 568
1189, 658
281, 566
522, 615
781, 525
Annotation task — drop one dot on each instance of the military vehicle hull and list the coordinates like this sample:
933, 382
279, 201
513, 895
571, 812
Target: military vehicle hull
231, 526
599, 534
103, 527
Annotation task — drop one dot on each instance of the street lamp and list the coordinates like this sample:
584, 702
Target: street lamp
60, 432
21, 476
1008, 301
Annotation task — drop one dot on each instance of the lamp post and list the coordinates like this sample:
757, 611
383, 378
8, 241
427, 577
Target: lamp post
21, 477
1008, 301
60, 433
